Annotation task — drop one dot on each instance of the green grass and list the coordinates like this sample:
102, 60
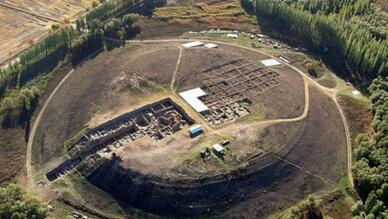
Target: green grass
61, 210
327, 79
252, 117
359, 99
69, 142
61, 184
64, 211
344, 183
86, 169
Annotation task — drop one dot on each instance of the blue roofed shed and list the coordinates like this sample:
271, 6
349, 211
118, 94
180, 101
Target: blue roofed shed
195, 131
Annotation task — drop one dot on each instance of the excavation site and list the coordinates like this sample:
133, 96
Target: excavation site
186, 128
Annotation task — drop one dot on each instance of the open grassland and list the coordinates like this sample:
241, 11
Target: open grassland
213, 14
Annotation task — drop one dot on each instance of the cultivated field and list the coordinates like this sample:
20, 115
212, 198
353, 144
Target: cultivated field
25, 21
291, 144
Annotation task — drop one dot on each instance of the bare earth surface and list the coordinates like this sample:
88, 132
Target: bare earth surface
300, 156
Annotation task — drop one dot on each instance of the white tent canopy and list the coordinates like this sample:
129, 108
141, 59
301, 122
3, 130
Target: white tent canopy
191, 97
270, 62
211, 45
192, 44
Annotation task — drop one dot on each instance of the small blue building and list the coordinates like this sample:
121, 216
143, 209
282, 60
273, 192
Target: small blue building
195, 131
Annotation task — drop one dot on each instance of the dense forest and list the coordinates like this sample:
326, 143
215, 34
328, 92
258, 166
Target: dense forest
333, 26
20, 82
354, 31
371, 158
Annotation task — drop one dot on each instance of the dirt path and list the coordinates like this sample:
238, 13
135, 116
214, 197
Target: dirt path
332, 93
304, 170
348, 139
176, 68
30, 177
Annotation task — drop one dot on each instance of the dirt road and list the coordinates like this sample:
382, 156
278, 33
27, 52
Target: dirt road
30, 177
176, 68
332, 93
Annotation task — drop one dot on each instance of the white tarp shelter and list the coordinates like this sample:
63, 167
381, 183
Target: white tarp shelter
270, 62
192, 44
211, 45
218, 148
191, 97
356, 92
232, 35
284, 59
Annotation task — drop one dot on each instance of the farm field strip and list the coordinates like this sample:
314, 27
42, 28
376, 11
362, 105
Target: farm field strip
25, 22
40, 16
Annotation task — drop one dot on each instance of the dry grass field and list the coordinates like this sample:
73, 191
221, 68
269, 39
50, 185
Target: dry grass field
316, 144
383, 4
226, 14
26, 21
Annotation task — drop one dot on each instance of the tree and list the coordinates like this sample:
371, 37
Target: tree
371, 166
307, 209
54, 27
329, 23
311, 206
80, 23
15, 203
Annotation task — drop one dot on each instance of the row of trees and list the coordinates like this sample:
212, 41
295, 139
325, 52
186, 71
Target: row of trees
75, 44
346, 40
85, 45
120, 28
45, 55
18, 96
39, 59
108, 10
16, 204
331, 24
371, 156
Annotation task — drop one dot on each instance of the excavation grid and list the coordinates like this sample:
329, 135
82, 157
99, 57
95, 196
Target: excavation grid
230, 87
157, 120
